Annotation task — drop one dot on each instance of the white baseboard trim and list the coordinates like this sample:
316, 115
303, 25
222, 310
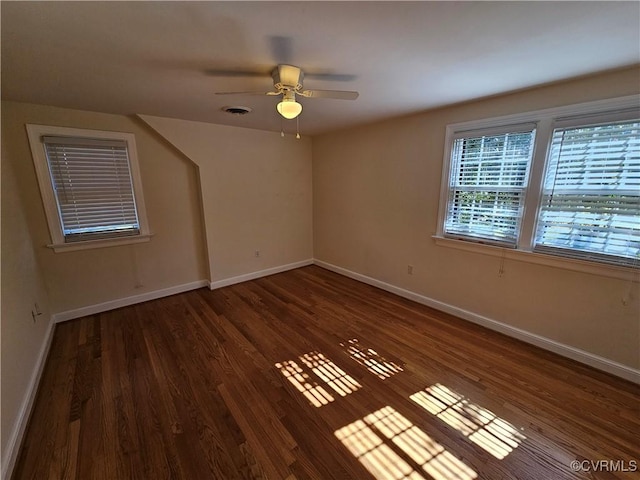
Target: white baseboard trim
10, 455
595, 361
261, 273
125, 302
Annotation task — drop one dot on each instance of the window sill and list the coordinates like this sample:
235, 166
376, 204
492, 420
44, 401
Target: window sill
88, 244
613, 271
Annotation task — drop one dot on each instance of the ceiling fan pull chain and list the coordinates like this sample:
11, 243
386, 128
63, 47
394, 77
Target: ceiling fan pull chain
281, 128
298, 128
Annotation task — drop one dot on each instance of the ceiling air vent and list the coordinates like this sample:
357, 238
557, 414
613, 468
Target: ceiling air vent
236, 110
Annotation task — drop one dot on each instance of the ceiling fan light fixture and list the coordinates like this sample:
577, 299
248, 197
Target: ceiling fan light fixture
289, 108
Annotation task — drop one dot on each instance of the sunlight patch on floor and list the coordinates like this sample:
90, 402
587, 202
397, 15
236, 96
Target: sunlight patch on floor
490, 432
330, 373
370, 359
379, 439
374, 454
317, 395
316, 366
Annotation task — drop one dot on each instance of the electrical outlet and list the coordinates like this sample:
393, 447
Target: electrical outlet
410, 269
257, 253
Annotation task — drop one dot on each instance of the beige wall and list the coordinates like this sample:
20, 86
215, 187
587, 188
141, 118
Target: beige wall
22, 287
376, 193
174, 256
256, 194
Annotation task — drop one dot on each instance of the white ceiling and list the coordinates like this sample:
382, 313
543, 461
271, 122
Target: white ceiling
153, 57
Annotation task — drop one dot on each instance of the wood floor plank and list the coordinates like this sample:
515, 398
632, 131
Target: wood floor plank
311, 375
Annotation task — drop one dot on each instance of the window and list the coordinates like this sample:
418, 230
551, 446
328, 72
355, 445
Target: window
591, 193
90, 186
562, 182
487, 184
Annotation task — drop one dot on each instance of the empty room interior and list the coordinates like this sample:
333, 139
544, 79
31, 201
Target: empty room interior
320, 240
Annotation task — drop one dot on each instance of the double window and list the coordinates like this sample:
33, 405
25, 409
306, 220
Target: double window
564, 182
90, 186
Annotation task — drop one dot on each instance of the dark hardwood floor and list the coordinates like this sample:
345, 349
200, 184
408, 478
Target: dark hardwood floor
308, 374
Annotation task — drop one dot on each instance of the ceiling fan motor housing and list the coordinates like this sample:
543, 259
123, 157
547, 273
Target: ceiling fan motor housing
287, 77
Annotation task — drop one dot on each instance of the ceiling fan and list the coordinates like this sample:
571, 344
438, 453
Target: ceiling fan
288, 82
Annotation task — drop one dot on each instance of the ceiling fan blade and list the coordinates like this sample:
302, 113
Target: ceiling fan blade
337, 94
247, 93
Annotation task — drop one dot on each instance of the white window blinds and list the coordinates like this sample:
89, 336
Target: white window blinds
92, 183
591, 194
487, 184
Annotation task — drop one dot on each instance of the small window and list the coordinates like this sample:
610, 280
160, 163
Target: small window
591, 193
487, 183
90, 186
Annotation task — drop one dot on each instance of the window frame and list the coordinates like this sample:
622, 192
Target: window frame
488, 132
546, 120
35, 134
